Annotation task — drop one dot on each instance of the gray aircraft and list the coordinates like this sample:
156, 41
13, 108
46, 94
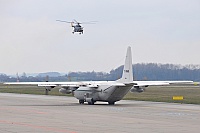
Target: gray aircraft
105, 91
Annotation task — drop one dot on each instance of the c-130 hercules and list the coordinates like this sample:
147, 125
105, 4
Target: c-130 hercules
105, 91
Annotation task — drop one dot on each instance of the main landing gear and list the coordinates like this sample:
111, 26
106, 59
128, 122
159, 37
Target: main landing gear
111, 103
79, 32
91, 102
81, 101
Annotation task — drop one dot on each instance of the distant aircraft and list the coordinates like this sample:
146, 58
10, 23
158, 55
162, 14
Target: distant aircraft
76, 25
105, 91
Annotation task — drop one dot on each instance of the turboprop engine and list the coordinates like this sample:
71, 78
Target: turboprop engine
65, 91
137, 89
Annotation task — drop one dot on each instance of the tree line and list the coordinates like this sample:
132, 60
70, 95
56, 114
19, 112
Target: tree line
141, 71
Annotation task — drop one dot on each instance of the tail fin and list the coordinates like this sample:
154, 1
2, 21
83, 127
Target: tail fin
127, 76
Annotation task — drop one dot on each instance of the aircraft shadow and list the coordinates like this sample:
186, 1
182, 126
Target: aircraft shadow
74, 104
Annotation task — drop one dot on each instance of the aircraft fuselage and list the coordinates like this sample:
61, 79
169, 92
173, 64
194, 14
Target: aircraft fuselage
104, 93
78, 28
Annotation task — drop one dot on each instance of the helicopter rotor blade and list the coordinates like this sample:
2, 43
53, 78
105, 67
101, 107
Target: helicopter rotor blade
76, 22
90, 22
64, 21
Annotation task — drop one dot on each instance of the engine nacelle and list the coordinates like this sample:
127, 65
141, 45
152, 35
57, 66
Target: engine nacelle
65, 91
49, 88
136, 89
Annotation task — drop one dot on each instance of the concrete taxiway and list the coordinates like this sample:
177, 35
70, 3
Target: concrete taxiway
21, 113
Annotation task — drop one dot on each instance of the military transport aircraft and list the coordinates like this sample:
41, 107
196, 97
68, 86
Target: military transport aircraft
105, 91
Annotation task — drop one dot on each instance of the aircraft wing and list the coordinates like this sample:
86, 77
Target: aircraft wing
48, 84
92, 84
159, 83
95, 84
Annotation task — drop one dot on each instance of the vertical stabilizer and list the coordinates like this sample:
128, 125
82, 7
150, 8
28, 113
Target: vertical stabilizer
127, 76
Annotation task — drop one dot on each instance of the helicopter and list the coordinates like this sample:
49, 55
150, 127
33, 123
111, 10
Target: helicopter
76, 25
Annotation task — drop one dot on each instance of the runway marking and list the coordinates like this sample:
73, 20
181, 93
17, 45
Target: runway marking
36, 126
178, 114
24, 110
172, 109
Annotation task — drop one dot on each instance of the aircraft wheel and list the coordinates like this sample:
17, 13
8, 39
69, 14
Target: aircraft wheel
81, 101
111, 103
91, 103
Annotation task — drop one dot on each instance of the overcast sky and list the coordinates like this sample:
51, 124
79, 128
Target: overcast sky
158, 31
